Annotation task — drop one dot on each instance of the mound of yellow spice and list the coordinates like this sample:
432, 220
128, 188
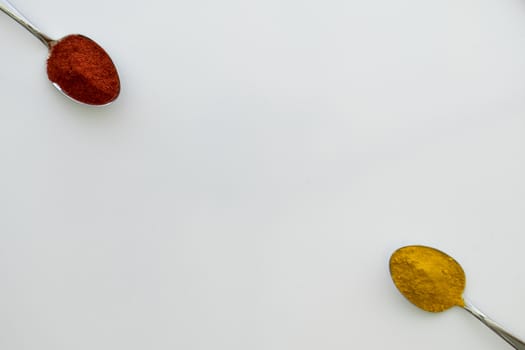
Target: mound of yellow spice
428, 278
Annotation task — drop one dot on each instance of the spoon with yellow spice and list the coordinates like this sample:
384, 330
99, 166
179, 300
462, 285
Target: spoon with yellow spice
434, 282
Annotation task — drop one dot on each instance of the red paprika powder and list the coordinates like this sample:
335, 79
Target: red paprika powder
83, 70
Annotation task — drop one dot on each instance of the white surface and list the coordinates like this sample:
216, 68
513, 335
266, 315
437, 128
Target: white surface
261, 164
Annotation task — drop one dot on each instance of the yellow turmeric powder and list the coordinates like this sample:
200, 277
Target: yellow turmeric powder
428, 278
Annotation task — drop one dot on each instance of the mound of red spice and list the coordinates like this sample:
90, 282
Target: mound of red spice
83, 70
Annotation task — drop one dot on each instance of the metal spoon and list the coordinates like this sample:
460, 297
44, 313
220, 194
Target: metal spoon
449, 264
11, 11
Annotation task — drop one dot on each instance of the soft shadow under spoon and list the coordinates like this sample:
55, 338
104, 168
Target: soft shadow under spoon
434, 282
77, 66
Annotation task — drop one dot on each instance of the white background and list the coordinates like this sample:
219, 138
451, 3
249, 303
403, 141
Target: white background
263, 161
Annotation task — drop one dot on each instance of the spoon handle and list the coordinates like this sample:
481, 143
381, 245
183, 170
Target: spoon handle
509, 338
12, 12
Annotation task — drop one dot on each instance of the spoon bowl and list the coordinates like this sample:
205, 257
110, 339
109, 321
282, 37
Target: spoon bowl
428, 278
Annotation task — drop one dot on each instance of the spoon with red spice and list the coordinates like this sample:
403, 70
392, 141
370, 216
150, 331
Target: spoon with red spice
77, 66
